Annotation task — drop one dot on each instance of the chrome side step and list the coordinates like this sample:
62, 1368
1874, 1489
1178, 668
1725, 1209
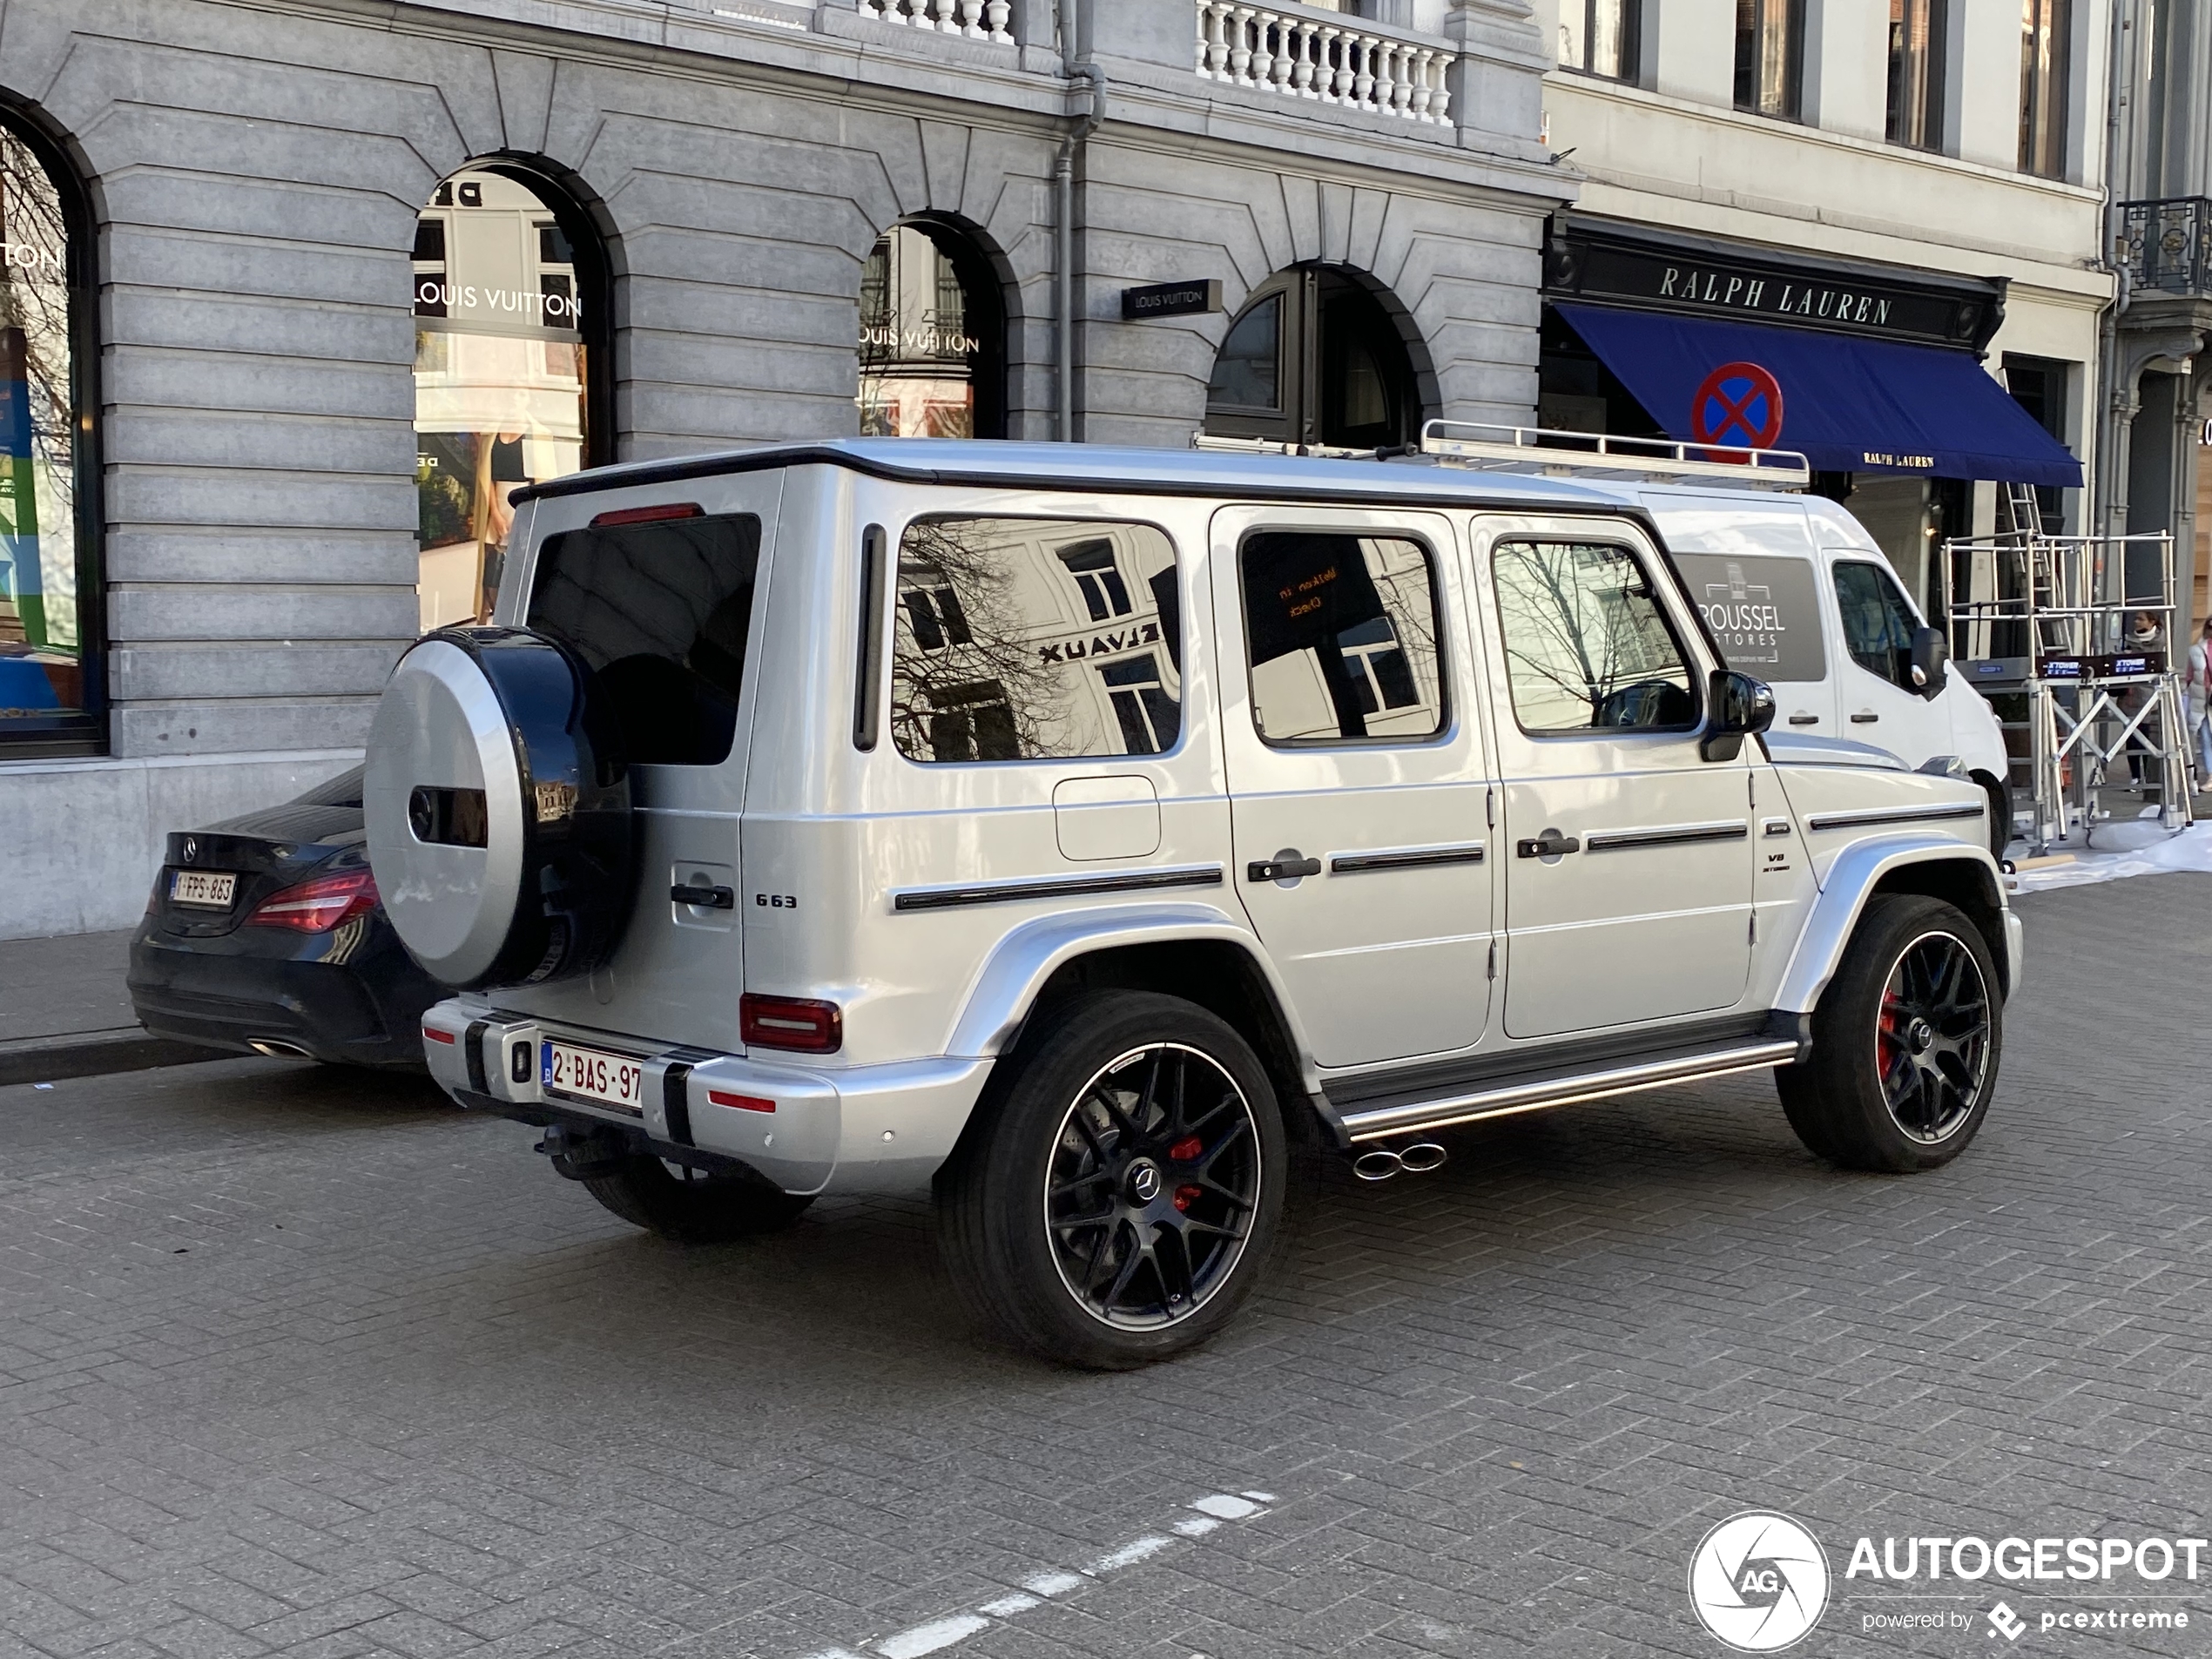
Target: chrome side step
1378, 1122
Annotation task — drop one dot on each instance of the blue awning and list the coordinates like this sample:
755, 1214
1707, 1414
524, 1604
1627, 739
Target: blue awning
1850, 405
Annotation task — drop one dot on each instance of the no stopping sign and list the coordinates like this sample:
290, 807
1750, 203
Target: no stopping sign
1737, 405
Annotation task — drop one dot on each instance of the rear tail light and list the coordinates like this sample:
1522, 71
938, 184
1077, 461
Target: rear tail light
316, 907
794, 1022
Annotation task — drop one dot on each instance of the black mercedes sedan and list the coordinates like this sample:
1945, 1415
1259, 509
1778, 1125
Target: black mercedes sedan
265, 934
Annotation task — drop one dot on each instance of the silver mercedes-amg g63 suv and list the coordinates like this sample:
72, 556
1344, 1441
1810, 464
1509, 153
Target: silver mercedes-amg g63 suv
1078, 830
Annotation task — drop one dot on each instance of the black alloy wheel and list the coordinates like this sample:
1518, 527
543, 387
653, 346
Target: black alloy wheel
1120, 1190
1152, 1187
1905, 1042
1931, 1038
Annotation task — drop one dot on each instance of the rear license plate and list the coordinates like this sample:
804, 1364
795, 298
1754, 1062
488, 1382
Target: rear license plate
611, 1079
209, 889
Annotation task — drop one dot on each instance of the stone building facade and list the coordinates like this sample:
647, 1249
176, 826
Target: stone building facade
1940, 153
270, 428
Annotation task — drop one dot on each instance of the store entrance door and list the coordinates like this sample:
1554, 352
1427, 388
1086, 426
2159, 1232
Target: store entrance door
1314, 358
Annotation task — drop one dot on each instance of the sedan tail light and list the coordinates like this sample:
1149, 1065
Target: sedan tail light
795, 1022
316, 907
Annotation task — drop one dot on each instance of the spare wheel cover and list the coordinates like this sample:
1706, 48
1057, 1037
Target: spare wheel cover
440, 727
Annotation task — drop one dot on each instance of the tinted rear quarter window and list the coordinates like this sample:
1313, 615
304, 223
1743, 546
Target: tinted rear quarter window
1764, 612
661, 613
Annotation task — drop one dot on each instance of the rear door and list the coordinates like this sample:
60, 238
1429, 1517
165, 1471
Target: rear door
1357, 775
1627, 857
663, 592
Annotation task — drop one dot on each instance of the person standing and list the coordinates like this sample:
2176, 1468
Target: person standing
2197, 690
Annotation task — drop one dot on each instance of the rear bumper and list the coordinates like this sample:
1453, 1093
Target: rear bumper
231, 999
863, 1129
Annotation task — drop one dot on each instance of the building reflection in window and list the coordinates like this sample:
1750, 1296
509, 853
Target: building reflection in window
1034, 639
500, 378
42, 661
931, 328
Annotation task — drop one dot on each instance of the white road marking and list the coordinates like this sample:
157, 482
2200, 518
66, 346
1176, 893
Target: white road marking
1054, 1583
1129, 1555
919, 1640
1223, 1508
928, 1638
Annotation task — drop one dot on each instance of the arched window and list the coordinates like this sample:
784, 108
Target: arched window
511, 371
933, 337
52, 698
1314, 358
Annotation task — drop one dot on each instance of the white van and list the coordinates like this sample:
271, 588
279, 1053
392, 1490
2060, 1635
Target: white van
1797, 594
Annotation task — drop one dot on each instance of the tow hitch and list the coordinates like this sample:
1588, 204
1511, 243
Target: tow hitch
583, 1154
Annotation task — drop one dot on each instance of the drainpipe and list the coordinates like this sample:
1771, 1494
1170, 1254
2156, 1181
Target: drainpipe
1076, 48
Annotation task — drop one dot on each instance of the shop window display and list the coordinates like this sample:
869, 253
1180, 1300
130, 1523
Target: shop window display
47, 700
500, 379
931, 333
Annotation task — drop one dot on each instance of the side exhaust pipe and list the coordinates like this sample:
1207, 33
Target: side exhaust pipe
1380, 1163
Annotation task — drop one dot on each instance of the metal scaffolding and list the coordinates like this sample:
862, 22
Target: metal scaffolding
2082, 628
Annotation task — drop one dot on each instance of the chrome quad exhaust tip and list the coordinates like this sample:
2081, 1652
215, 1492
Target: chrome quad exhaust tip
1380, 1163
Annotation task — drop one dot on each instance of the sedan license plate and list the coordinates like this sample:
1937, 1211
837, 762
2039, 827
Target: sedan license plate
611, 1079
208, 889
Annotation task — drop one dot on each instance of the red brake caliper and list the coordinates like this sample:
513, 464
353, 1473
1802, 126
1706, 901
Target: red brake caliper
1184, 1151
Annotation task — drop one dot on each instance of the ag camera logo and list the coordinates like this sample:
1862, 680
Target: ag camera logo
1758, 1581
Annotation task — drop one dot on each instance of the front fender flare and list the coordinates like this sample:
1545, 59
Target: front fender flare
1857, 870
1007, 986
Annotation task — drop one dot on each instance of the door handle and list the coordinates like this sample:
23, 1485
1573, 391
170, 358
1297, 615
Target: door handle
1804, 719
1864, 719
706, 898
1284, 866
1549, 845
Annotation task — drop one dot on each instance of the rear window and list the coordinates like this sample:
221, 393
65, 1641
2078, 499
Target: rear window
661, 613
1764, 612
1034, 639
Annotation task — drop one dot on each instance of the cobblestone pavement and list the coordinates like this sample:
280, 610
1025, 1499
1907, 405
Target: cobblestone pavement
296, 1362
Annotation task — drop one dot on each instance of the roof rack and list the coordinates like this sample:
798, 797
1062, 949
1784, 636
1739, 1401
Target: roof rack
1551, 450
1557, 453
1208, 442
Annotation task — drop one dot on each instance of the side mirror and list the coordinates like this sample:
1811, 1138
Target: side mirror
1929, 656
1737, 707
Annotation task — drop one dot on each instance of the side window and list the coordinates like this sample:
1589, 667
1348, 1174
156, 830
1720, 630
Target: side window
1764, 612
1341, 632
1877, 623
1587, 646
661, 613
1034, 639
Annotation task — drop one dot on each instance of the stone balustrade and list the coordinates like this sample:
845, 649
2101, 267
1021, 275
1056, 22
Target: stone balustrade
1326, 56
972, 19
